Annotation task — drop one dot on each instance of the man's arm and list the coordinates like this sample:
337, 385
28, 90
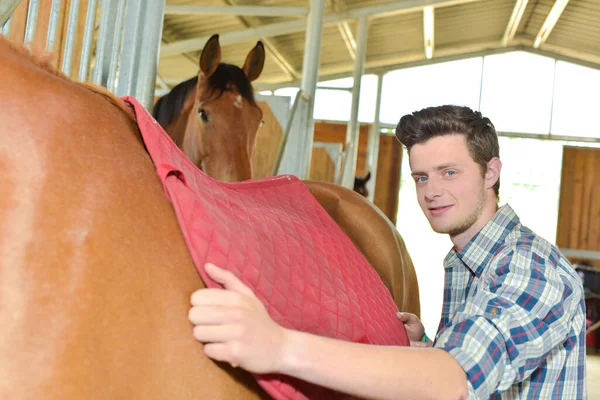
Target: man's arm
369, 371
237, 329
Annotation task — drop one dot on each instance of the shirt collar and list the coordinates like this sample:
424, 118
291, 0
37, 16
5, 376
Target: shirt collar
482, 247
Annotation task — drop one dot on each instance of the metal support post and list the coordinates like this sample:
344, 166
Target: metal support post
297, 154
349, 163
148, 60
373, 146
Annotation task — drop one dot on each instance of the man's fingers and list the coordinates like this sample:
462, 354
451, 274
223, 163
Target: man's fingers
407, 317
215, 297
215, 333
227, 279
214, 315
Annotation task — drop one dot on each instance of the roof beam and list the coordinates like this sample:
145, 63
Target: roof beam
279, 59
514, 21
550, 23
428, 31
238, 10
288, 27
344, 29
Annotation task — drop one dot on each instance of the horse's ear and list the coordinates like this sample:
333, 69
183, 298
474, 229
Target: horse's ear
211, 56
368, 176
255, 61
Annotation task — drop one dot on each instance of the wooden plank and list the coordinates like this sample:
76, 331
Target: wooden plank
267, 143
19, 20
565, 198
322, 167
387, 186
579, 202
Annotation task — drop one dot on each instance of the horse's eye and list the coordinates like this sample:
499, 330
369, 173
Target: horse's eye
262, 122
203, 115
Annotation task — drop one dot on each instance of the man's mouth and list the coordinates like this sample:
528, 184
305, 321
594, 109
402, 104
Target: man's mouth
436, 211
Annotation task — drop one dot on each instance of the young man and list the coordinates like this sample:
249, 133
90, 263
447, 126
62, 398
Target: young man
513, 320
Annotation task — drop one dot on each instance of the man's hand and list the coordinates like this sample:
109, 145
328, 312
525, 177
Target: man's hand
235, 326
414, 329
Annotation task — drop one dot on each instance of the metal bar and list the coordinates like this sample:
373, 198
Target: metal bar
303, 136
116, 50
104, 40
32, 14
238, 10
87, 40
53, 25
6, 27
7, 8
481, 83
550, 22
132, 37
71, 32
587, 254
300, 96
553, 97
288, 27
148, 61
514, 21
373, 145
353, 131
429, 31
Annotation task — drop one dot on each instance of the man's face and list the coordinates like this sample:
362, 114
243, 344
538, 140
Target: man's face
450, 186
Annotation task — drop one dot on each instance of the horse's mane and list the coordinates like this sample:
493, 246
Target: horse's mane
227, 77
170, 105
44, 61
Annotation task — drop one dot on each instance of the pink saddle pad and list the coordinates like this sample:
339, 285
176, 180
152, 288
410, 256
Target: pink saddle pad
274, 235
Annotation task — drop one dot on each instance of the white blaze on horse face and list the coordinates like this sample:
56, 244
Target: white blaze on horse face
238, 101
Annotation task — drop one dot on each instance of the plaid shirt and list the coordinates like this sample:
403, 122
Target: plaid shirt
514, 315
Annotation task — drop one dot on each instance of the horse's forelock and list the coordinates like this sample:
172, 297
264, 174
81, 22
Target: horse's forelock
228, 78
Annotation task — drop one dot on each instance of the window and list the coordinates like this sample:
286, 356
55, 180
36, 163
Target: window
411, 89
576, 101
517, 92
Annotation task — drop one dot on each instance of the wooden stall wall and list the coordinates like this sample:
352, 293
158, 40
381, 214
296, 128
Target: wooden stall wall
387, 185
17, 31
579, 205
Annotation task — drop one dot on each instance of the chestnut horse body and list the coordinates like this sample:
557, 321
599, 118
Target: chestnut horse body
95, 276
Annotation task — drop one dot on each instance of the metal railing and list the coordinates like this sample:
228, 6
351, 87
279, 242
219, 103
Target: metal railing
300, 96
125, 28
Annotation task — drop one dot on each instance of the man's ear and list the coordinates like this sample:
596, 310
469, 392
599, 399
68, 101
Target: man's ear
492, 174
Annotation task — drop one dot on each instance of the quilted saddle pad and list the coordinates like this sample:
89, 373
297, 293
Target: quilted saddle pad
274, 235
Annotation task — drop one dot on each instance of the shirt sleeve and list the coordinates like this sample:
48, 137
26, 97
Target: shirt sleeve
502, 334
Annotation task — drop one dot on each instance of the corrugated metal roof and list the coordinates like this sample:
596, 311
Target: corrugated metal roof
461, 27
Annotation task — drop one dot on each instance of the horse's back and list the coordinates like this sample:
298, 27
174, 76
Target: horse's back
376, 238
95, 276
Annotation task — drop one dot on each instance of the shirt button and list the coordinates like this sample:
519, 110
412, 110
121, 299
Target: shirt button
494, 311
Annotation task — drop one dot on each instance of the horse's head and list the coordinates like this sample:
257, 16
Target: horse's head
219, 116
360, 185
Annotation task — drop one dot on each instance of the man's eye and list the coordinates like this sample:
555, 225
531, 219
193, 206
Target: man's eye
450, 173
421, 179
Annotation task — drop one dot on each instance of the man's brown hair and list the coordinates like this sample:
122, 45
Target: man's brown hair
482, 140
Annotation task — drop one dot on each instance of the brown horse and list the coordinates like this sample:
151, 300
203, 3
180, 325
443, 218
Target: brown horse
214, 118
95, 276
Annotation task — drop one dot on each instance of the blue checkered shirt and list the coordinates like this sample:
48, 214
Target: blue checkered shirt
514, 315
